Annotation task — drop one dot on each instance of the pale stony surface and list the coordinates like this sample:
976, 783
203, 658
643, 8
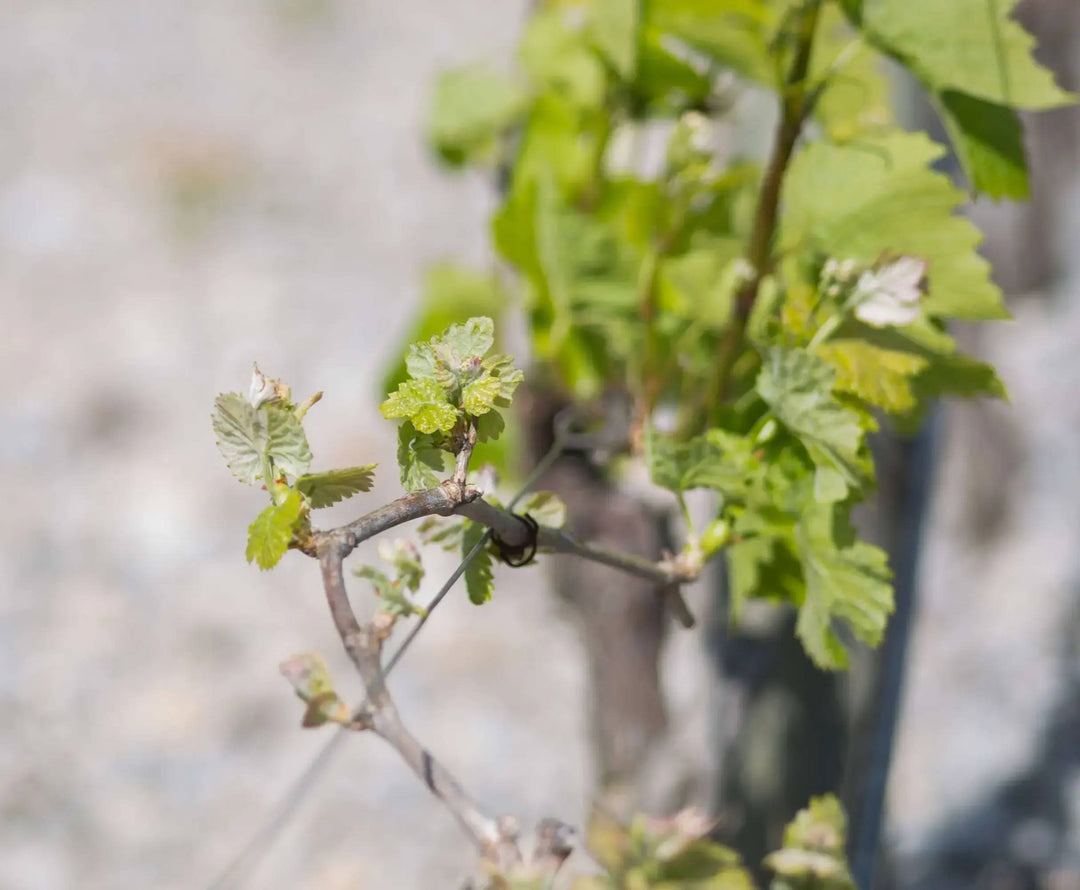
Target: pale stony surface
187, 187
994, 651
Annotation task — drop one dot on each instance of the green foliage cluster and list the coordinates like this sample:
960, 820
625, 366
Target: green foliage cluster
779, 311
261, 436
677, 854
451, 384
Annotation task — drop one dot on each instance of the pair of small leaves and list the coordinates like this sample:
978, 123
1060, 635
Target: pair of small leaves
311, 680
676, 852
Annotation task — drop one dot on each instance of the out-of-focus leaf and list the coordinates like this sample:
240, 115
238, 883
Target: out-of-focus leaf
311, 680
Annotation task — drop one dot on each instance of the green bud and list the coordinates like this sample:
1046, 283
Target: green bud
767, 432
716, 535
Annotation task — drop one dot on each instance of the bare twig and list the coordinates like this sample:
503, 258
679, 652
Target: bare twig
668, 574
364, 645
452, 498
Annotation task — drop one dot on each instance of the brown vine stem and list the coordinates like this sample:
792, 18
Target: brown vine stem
668, 574
797, 104
363, 642
496, 839
450, 498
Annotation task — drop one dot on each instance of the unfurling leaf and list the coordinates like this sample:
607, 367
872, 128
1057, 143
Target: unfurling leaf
241, 438
324, 489
287, 446
479, 396
263, 389
470, 340
310, 678
423, 402
269, 535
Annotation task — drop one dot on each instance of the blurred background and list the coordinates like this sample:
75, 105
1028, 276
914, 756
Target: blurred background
187, 187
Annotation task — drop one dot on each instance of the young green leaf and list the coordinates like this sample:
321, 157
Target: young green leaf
471, 109
880, 377
424, 403
470, 340
419, 458
613, 29
287, 446
878, 196
479, 396
479, 581
977, 62
269, 535
241, 437
445, 533
798, 387
970, 46
845, 580
324, 489
712, 460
